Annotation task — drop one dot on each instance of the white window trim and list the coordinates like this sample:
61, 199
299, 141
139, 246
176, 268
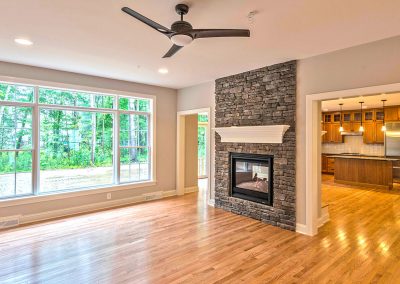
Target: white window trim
26, 199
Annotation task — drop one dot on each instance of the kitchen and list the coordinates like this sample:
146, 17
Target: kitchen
361, 142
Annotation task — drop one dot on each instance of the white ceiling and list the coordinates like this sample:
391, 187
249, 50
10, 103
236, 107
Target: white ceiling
94, 37
373, 101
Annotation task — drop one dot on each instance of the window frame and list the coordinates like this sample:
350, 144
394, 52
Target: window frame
115, 111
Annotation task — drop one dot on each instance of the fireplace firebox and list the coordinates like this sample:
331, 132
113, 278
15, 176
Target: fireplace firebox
251, 177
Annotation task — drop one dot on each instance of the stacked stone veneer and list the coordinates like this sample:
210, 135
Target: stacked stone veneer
265, 96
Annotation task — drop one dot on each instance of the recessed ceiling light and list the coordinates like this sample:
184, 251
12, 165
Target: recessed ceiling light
23, 41
325, 109
163, 70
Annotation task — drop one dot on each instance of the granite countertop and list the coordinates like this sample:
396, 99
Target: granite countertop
361, 157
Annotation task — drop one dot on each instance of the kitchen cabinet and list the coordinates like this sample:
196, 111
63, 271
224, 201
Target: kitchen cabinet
379, 114
356, 116
336, 117
368, 115
372, 120
380, 135
346, 116
327, 164
392, 113
324, 164
333, 134
327, 118
373, 133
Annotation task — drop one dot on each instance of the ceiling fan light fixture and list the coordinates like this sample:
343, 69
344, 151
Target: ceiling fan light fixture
181, 39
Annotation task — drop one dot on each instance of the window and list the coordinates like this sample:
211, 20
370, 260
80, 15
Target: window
58, 140
202, 145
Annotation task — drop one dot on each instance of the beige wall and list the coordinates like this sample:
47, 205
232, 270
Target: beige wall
196, 97
191, 148
372, 64
166, 100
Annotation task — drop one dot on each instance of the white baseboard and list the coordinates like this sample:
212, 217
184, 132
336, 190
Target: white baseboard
43, 216
191, 189
302, 229
324, 216
211, 202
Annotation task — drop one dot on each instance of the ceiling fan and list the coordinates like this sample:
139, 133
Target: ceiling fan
182, 32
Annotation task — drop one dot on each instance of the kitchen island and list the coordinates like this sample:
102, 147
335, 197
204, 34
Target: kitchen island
364, 170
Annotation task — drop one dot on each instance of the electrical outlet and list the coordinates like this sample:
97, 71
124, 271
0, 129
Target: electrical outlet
108, 196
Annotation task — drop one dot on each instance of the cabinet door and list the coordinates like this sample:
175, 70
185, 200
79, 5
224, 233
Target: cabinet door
368, 116
379, 115
380, 135
327, 117
369, 132
336, 117
347, 127
328, 129
346, 117
336, 136
392, 113
356, 116
355, 126
331, 165
324, 164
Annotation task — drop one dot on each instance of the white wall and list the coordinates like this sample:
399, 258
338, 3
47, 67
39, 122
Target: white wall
165, 135
371, 64
196, 97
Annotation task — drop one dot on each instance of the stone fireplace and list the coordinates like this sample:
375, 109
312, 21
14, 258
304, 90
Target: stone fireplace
257, 179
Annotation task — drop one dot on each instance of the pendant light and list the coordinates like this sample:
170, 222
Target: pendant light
383, 110
361, 127
341, 118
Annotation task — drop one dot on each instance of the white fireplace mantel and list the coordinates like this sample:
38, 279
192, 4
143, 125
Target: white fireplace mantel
253, 134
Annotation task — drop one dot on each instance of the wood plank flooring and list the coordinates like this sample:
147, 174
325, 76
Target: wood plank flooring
181, 240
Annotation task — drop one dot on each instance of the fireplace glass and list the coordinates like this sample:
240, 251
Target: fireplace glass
252, 177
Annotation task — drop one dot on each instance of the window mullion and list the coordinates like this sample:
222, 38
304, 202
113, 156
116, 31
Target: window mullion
117, 150
35, 145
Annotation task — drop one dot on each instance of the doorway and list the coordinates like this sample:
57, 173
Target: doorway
313, 205
193, 153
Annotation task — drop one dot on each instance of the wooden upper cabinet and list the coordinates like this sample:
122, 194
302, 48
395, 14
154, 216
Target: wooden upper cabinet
336, 117
373, 133
356, 116
379, 114
380, 135
327, 117
346, 116
336, 136
347, 126
368, 115
369, 133
391, 113
333, 134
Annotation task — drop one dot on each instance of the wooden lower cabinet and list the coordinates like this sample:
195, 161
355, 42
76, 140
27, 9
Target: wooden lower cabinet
327, 164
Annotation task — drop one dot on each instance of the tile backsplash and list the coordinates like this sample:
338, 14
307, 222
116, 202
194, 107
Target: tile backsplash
354, 144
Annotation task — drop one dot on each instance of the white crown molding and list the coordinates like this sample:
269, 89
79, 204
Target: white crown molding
253, 134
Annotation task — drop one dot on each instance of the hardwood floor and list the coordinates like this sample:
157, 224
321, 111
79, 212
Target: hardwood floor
180, 240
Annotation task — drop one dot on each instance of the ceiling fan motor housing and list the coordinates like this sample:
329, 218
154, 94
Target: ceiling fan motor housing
181, 27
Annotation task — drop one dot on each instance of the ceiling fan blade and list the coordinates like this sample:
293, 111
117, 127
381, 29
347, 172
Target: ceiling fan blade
174, 49
204, 33
147, 21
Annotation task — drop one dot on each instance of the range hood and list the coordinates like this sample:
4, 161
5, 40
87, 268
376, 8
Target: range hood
351, 133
